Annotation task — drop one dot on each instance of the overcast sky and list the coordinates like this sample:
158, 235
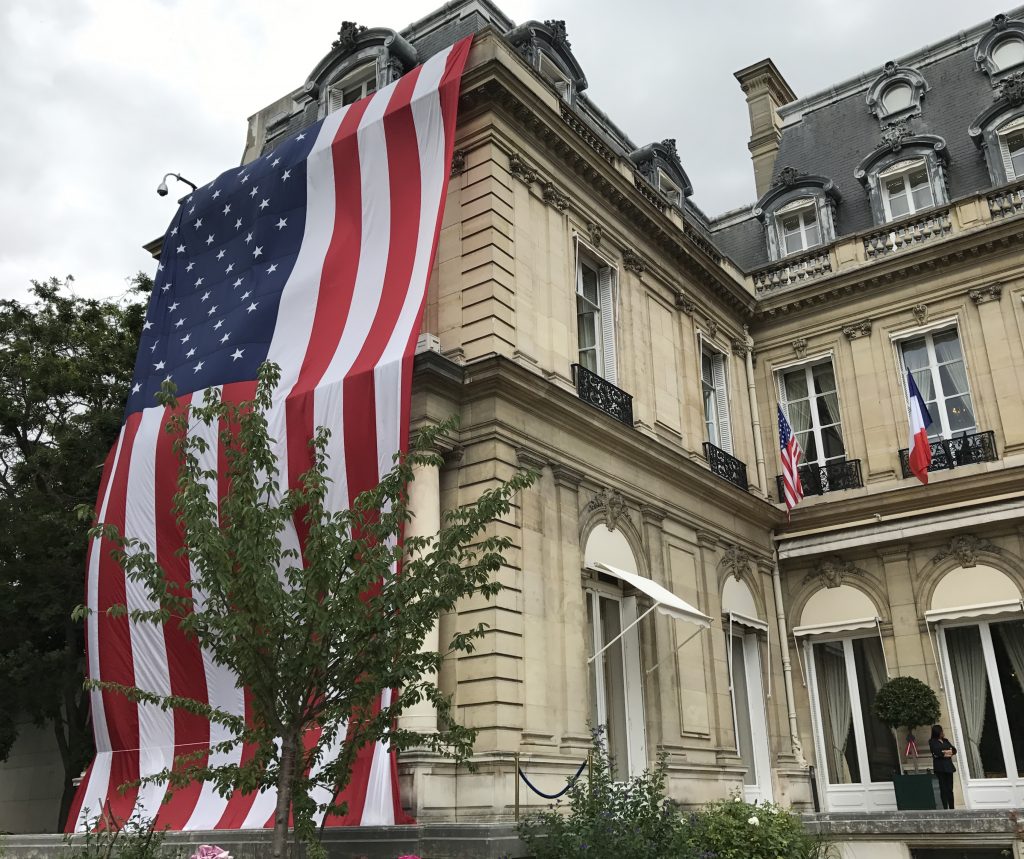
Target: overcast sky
99, 98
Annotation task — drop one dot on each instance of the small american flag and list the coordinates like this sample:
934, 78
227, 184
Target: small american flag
316, 257
789, 450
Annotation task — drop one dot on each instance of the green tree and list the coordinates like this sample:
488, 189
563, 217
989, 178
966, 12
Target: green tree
65, 367
314, 638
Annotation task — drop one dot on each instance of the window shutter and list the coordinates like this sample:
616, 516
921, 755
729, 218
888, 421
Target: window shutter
606, 286
334, 97
721, 400
780, 388
1004, 153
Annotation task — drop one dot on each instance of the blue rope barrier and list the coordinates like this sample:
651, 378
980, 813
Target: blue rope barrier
562, 792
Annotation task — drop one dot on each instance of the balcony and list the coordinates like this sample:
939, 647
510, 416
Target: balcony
959, 450
791, 271
603, 395
907, 232
830, 477
725, 465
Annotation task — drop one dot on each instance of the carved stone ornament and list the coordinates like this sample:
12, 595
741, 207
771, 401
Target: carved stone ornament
893, 135
889, 69
1010, 89
685, 303
831, 571
631, 261
596, 233
553, 197
740, 346
347, 35
670, 144
787, 176
395, 69
520, 169
965, 549
735, 561
611, 503
712, 327
559, 35
858, 329
799, 347
920, 312
1000, 21
458, 162
983, 294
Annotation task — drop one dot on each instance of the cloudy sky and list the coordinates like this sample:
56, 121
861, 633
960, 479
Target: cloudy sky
99, 98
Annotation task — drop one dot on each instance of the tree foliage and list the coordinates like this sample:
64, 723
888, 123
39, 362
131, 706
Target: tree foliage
906, 702
65, 366
314, 637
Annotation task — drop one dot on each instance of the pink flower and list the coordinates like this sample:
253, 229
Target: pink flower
210, 851
409, 856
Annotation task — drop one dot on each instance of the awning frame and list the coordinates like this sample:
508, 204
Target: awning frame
977, 610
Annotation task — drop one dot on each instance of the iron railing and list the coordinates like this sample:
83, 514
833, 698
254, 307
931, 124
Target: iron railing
830, 477
959, 450
603, 395
725, 465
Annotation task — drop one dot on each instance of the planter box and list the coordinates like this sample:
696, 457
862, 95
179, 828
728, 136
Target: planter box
916, 791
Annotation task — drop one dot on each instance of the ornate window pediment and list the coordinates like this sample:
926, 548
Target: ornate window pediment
1001, 50
798, 213
659, 164
905, 174
998, 130
897, 92
545, 46
362, 60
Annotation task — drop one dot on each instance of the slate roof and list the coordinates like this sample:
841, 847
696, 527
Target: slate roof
829, 135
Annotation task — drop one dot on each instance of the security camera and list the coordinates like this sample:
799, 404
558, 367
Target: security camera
161, 189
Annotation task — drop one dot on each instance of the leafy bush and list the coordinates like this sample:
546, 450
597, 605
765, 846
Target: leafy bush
606, 819
906, 702
733, 829
633, 819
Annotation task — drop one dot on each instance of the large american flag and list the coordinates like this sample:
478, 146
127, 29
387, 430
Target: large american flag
316, 257
789, 450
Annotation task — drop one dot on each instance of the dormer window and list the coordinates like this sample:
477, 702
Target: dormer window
897, 97
669, 188
1007, 53
555, 76
1011, 147
905, 189
798, 224
357, 84
896, 93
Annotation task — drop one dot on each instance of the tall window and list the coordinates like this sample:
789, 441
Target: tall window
614, 676
937, 364
716, 399
357, 84
799, 228
595, 318
1011, 148
848, 675
810, 399
906, 190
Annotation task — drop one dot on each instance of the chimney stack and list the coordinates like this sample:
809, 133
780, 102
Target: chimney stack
766, 90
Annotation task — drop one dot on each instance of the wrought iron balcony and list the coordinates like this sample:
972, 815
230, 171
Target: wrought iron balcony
959, 450
830, 477
725, 465
603, 395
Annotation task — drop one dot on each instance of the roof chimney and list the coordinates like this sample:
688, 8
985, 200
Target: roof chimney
766, 91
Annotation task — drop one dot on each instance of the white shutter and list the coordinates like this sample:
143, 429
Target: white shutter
1004, 153
721, 400
780, 388
636, 728
334, 98
605, 288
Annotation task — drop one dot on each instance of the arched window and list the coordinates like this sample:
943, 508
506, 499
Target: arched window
1007, 53
977, 618
357, 84
1000, 51
906, 174
798, 213
896, 93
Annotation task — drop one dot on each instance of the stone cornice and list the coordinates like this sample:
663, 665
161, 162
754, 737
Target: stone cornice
496, 85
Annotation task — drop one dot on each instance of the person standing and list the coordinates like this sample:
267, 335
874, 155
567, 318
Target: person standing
942, 764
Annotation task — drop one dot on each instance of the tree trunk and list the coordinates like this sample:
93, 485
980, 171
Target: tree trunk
284, 797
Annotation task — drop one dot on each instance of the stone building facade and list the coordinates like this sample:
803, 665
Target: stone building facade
586, 320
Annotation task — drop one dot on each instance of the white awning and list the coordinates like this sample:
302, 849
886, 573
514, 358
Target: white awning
665, 601
980, 610
837, 626
744, 620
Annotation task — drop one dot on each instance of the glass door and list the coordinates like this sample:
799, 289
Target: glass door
984, 676
749, 717
857, 755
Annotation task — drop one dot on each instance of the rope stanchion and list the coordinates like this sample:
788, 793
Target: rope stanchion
541, 793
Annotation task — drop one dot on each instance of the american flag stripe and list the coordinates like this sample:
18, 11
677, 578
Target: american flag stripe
345, 322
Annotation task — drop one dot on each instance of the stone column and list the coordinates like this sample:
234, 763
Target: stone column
568, 636
871, 408
911, 653
425, 521
714, 646
1005, 375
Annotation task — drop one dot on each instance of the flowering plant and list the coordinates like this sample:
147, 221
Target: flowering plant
211, 851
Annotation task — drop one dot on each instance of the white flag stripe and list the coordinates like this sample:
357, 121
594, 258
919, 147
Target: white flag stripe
95, 790
149, 652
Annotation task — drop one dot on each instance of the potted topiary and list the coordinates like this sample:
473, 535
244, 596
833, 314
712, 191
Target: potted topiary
906, 702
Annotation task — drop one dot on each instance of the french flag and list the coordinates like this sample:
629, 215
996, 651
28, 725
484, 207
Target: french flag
920, 448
